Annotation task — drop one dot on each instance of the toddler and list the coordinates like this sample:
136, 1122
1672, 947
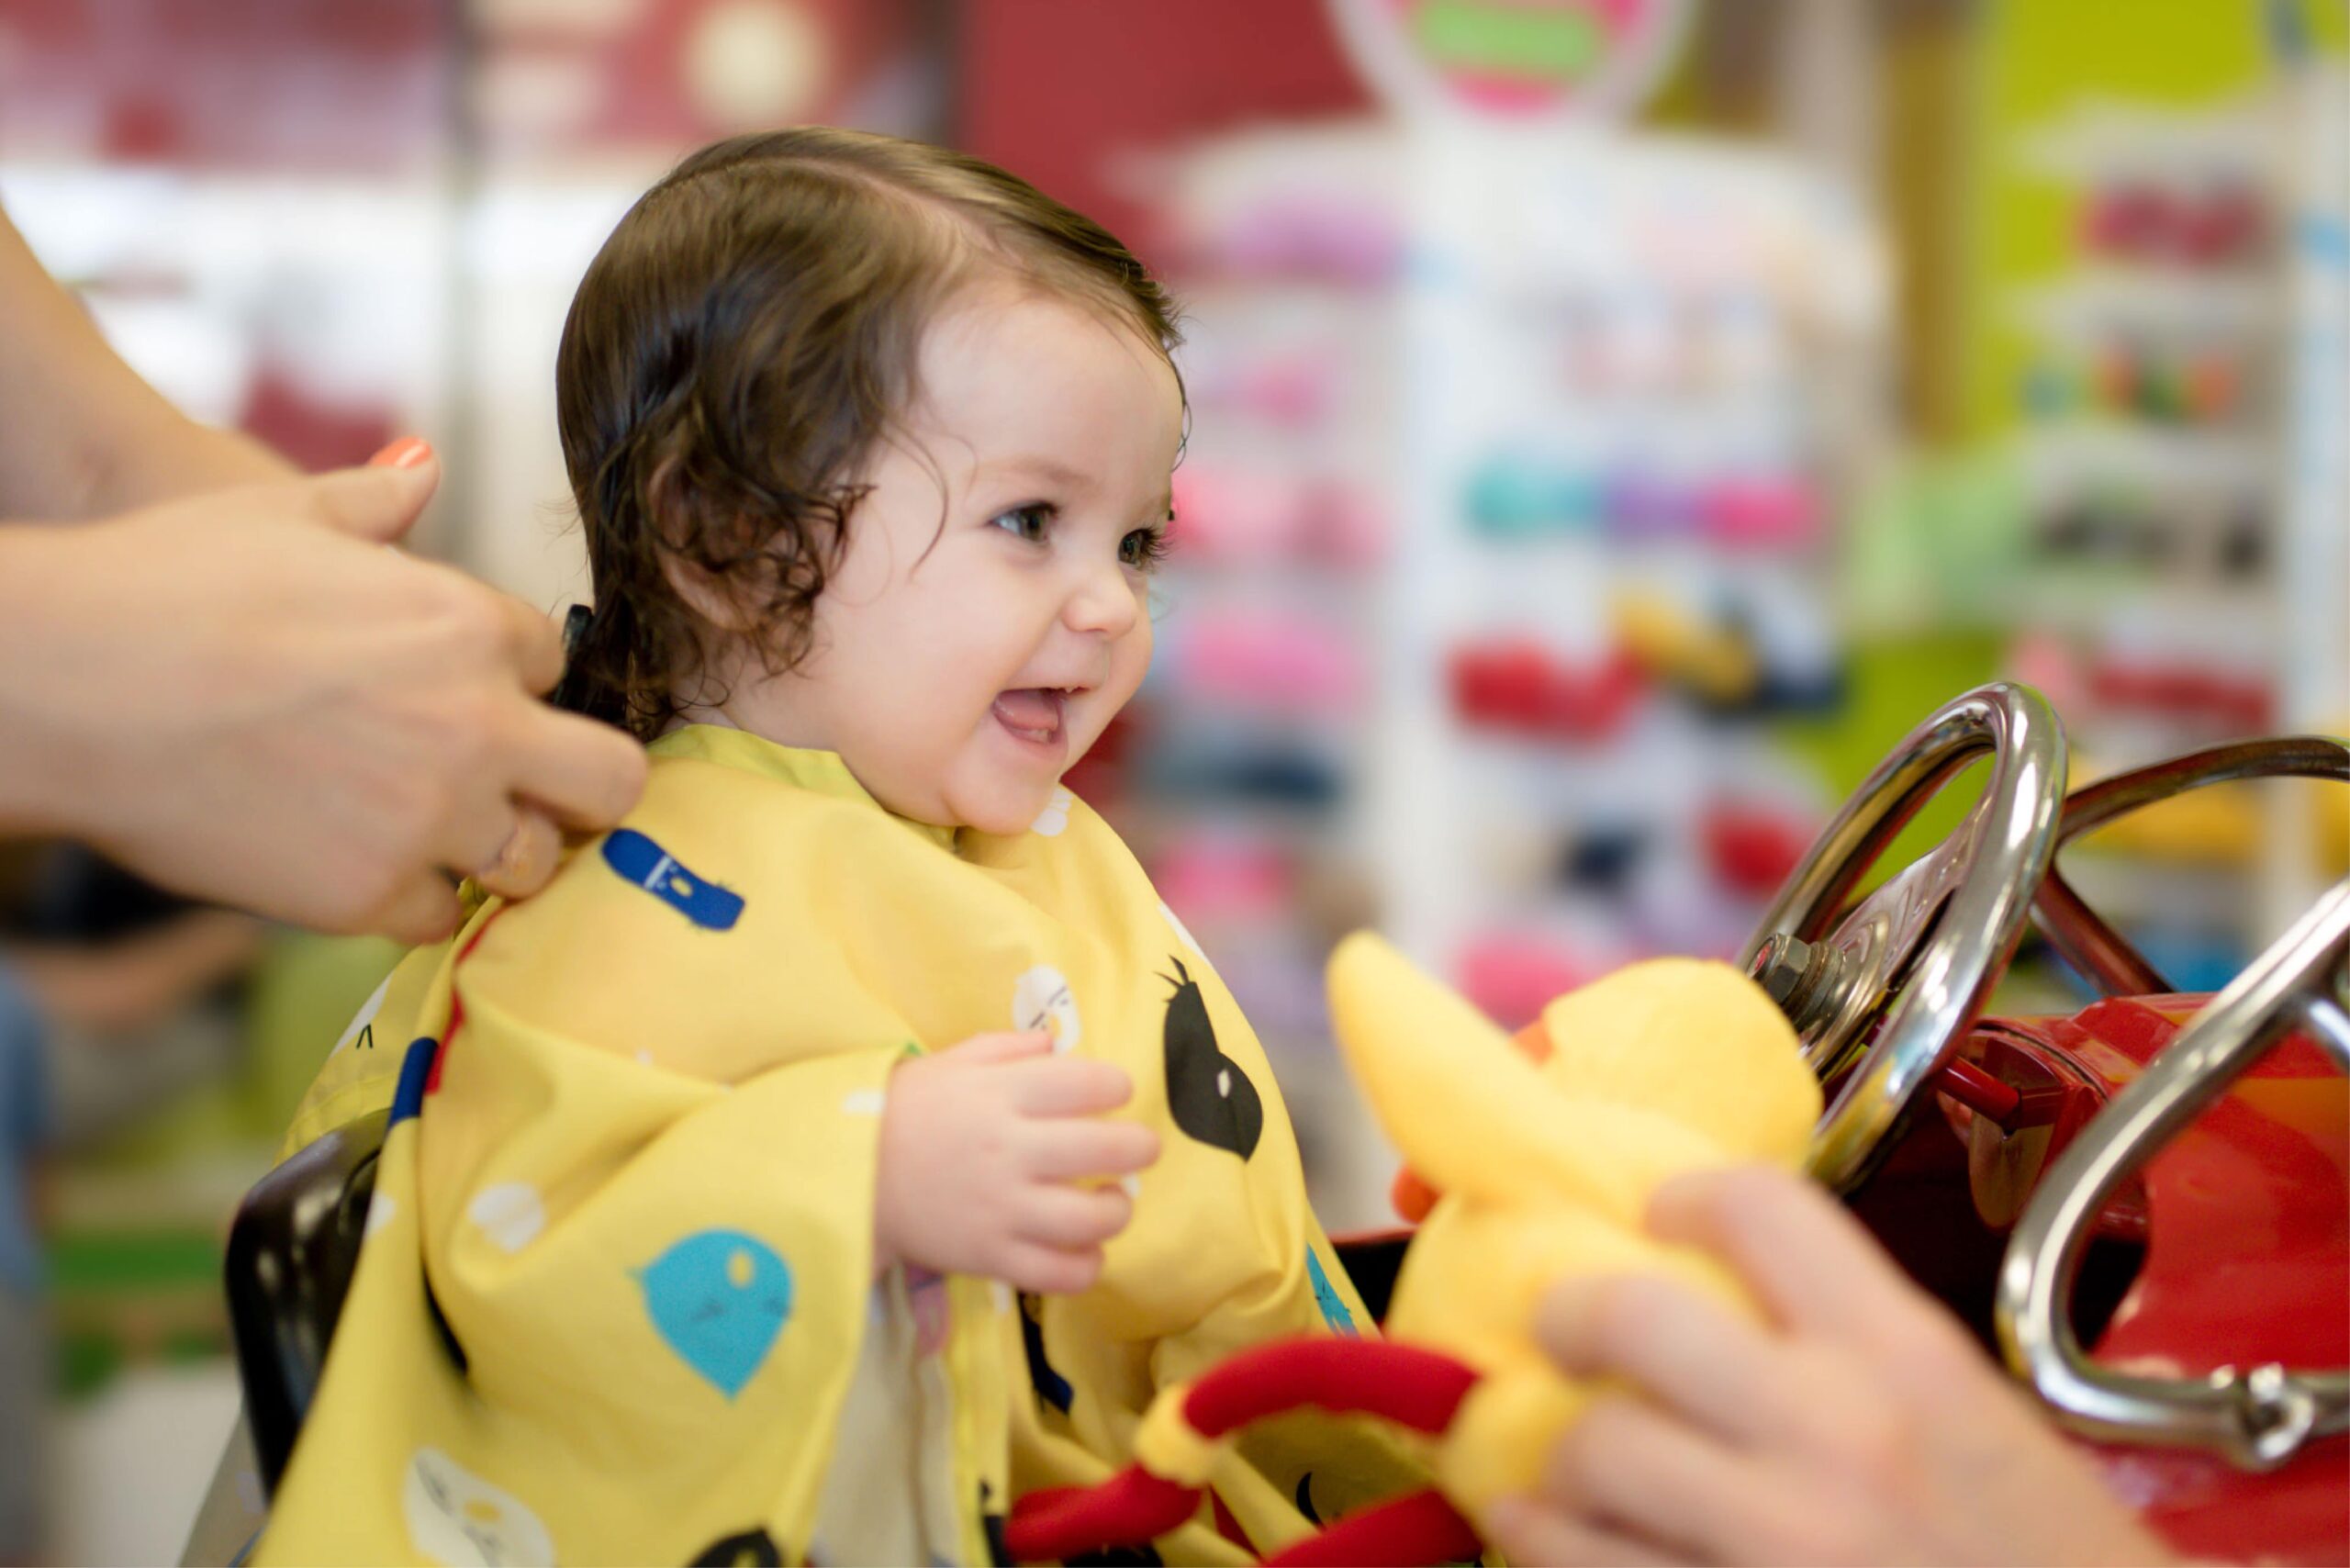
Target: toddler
850, 1142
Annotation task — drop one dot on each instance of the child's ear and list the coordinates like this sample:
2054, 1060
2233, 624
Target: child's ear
679, 518
1470, 1114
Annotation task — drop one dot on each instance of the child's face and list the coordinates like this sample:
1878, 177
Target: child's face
991, 609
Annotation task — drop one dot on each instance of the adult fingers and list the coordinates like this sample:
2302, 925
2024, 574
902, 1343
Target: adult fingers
1811, 1264
377, 504
1069, 1218
1073, 1149
1070, 1086
528, 858
584, 774
1659, 1481
421, 910
1048, 1271
535, 643
1718, 1367
1533, 1536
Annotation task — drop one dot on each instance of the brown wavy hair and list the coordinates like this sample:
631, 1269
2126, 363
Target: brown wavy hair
737, 349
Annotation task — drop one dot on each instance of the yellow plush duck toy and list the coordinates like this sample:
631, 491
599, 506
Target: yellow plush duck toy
1545, 1151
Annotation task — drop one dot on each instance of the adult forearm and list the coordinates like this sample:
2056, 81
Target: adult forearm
40, 762
80, 435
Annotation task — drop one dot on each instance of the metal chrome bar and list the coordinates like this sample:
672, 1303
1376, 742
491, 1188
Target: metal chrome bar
2258, 1418
2078, 931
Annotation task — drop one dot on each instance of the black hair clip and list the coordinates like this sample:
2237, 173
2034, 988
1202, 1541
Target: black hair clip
571, 693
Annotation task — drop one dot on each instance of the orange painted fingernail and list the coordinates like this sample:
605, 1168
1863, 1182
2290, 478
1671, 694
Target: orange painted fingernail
405, 452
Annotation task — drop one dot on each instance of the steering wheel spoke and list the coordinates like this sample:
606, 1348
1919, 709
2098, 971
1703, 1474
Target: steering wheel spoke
1889, 990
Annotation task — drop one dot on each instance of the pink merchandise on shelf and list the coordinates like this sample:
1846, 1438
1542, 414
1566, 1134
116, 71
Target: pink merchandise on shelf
1512, 977
1211, 878
1766, 513
1298, 234
1345, 526
2144, 221
1268, 660
1293, 393
1223, 515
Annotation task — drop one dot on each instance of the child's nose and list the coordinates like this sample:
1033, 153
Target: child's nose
1104, 603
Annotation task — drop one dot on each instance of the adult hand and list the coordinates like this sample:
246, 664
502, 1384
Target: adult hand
244, 696
1860, 1425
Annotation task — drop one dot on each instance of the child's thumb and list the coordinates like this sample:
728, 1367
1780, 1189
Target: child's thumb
381, 501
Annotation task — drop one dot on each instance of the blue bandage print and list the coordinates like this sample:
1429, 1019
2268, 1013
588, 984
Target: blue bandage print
640, 860
1326, 1296
720, 1298
416, 1071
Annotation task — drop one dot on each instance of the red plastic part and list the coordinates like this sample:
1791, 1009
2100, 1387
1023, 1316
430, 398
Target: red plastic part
1409, 1532
2247, 1261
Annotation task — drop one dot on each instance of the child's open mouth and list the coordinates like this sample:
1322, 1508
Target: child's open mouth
1032, 715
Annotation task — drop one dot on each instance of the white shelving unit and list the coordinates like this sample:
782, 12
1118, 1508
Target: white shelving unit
2223, 551
1613, 310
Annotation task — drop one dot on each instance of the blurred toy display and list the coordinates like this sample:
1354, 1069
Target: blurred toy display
2178, 432
1622, 474
1507, 484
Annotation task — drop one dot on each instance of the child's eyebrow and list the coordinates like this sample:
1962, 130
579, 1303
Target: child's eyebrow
1052, 471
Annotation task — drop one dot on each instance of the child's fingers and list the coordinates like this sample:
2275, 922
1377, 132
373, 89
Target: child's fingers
1048, 1271
1072, 1151
1067, 1217
1070, 1086
1013, 1046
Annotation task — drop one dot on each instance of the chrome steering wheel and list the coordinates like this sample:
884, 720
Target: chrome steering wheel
1887, 989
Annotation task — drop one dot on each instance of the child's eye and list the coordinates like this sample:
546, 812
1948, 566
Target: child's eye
1145, 547
1031, 523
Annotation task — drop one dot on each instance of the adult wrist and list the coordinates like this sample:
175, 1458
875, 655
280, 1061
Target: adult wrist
51, 778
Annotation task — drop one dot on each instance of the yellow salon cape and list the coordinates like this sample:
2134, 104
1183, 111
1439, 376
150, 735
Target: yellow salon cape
617, 1301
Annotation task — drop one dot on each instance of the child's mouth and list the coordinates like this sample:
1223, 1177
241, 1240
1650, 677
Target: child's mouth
1032, 715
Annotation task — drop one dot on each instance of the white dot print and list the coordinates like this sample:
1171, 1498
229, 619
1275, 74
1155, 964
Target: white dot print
510, 1213
863, 1102
1053, 821
456, 1517
1041, 1000
380, 1210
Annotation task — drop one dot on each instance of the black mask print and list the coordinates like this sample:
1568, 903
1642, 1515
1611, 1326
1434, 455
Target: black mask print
751, 1548
1207, 1094
991, 1522
1051, 1387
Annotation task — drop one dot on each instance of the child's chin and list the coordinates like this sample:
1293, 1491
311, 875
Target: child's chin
1003, 810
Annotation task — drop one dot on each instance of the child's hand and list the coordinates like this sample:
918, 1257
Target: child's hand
1860, 1425
982, 1148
